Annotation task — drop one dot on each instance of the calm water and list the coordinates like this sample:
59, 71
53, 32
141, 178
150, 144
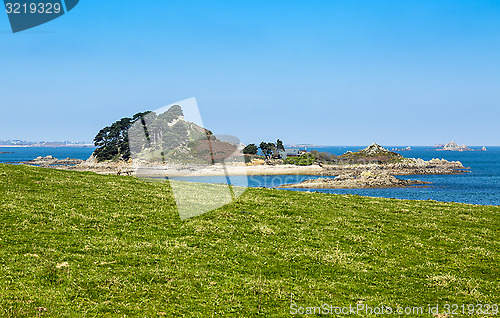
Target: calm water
28, 153
480, 186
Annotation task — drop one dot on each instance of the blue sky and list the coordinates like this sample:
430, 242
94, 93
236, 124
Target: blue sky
321, 72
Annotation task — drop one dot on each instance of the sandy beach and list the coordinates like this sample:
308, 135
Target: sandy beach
218, 170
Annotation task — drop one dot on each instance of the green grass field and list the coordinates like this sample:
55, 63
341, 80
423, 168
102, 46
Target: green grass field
82, 244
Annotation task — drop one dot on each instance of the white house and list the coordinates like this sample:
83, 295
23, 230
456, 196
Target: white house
289, 153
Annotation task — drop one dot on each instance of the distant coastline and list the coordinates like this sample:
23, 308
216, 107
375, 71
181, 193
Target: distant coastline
48, 146
13, 146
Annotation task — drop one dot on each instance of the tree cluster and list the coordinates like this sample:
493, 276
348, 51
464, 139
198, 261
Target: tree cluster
112, 141
160, 137
250, 149
268, 149
160, 132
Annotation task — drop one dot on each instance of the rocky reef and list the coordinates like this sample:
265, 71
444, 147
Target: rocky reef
120, 167
408, 148
453, 146
366, 179
408, 166
49, 161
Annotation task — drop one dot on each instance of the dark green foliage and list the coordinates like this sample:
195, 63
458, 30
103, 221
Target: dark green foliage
172, 113
267, 148
270, 149
112, 141
174, 136
306, 159
148, 131
250, 149
279, 145
170, 137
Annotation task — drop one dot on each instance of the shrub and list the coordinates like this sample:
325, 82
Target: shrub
306, 159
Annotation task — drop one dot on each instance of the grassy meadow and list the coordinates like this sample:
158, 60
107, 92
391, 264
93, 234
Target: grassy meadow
87, 245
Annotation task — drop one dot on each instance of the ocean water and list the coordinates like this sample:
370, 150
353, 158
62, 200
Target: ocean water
480, 186
17, 154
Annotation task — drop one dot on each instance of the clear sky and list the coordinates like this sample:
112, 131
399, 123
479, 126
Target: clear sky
323, 72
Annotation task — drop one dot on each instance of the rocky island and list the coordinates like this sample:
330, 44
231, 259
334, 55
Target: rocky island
173, 146
408, 148
453, 146
372, 167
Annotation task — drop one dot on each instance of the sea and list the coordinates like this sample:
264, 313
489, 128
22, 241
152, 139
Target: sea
479, 186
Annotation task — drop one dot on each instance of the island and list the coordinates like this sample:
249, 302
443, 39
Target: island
453, 146
402, 149
170, 146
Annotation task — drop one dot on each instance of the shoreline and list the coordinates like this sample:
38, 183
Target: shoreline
356, 171
408, 167
346, 176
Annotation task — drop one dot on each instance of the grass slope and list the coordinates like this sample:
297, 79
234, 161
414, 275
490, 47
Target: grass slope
81, 244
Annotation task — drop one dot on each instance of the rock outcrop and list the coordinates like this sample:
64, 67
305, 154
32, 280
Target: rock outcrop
453, 146
402, 149
372, 153
105, 167
409, 166
360, 176
364, 180
51, 161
